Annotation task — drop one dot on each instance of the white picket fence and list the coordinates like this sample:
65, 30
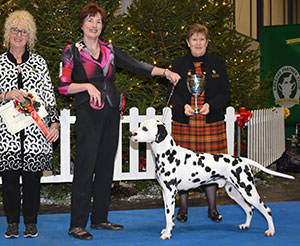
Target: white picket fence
266, 135
266, 142
133, 119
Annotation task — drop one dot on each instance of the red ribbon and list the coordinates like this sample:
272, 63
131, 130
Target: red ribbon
38, 120
244, 117
34, 115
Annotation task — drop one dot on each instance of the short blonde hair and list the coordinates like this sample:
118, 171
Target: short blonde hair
24, 17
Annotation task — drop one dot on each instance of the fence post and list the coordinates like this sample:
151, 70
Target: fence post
65, 141
65, 150
230, 118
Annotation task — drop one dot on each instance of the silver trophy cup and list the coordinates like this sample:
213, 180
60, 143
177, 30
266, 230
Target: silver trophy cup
195, 83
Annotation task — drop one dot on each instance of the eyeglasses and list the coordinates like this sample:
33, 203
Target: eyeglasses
16, 30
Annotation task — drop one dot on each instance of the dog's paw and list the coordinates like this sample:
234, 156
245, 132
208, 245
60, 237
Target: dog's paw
243, 227
269, 233
165, 235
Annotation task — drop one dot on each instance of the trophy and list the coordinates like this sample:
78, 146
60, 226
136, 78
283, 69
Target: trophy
195, 83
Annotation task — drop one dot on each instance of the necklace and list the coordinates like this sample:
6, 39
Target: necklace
93, 52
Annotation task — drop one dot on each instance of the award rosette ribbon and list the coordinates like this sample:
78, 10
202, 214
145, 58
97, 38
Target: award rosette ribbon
30, 108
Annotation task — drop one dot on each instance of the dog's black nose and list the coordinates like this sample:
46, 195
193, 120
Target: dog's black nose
130, 134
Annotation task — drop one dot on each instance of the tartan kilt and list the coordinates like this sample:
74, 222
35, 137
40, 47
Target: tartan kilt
199, 136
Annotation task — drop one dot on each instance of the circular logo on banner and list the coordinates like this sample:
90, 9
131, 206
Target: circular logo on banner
286, 86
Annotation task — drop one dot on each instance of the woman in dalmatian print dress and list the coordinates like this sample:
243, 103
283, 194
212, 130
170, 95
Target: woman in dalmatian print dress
26, 153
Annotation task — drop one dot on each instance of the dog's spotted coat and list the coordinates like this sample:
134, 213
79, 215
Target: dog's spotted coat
178, 168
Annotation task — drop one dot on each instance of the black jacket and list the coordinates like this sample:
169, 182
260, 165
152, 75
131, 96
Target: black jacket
80, 67
217, 87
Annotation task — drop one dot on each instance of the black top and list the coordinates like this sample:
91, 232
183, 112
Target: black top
217, 86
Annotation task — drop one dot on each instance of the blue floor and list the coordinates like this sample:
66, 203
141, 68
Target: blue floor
142, 227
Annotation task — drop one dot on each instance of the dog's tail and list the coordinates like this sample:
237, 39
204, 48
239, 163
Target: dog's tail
266, 170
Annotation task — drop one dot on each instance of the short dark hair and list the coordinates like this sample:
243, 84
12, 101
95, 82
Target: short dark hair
197, 28
91, 9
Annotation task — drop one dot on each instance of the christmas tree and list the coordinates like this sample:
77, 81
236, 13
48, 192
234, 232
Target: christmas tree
153, 31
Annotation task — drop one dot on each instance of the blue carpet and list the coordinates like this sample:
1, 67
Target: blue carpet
142, 227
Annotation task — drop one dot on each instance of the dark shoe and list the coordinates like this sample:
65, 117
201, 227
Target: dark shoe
182, 216
108, 226
12, 231
80, 233
30, 230
215, 216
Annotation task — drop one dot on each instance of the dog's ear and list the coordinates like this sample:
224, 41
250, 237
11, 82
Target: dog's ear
161, 133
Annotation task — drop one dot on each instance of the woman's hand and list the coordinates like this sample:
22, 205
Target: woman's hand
53, 133
16, 95
173, 77
204, 109
95, 95
188, 110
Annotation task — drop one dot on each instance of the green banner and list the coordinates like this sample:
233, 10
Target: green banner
280, 60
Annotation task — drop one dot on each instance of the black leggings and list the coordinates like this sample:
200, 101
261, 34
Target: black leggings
210, 191
12, 195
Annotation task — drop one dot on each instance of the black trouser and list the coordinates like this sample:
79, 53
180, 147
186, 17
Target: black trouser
12, 195
97, 133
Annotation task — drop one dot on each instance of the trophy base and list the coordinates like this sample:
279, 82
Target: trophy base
197, 109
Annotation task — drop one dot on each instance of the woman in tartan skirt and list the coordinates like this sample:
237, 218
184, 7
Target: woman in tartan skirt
204, 131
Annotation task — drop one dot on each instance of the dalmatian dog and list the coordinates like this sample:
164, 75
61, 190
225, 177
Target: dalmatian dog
178, 169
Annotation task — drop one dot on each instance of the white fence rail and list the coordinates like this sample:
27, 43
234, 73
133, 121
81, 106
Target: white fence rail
266, 142
133, 119
266, 135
